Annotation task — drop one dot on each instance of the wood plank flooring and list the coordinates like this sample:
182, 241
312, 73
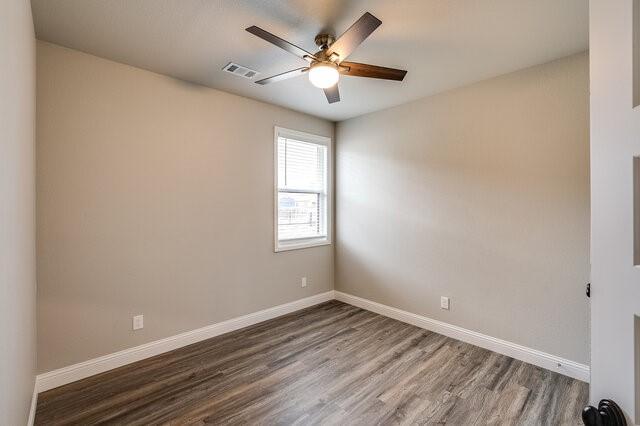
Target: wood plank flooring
329, 364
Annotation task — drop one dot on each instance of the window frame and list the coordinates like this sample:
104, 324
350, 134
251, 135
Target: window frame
311, 241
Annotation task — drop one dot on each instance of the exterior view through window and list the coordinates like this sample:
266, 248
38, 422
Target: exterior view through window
302, 199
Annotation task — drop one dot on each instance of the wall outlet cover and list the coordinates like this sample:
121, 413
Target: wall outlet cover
444, 303
303, 282
138, 322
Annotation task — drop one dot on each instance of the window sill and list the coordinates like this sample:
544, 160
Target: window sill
297, 245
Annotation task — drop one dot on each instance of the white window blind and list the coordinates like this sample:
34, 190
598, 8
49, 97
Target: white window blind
302, 169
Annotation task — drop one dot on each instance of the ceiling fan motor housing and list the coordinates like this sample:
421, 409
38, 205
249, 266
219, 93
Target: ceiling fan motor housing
323, 41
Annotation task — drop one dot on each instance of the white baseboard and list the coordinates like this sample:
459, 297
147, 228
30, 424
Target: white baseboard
522, 353
72, 373
65, 375
34, 403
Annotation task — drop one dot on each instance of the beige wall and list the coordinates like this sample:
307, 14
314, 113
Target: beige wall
155, 197
17, 214
615, 140
480, 194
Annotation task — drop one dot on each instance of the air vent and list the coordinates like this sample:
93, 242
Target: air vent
239, 70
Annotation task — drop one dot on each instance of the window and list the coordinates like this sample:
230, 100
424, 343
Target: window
302, 197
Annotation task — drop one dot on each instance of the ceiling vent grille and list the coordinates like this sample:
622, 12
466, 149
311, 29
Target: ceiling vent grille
239, 70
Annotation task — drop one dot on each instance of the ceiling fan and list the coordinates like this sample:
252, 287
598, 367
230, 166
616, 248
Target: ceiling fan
326, 65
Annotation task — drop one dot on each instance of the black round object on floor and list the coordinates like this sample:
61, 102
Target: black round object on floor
608, 413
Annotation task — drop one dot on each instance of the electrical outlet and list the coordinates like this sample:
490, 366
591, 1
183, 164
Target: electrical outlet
444, 303
138, 322
303, 282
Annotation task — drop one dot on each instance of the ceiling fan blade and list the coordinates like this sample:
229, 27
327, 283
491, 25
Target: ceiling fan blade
332, 93
283, 76
282, 44
372, 71
356, 34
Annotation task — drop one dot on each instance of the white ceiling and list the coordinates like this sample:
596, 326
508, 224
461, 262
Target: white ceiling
442, 43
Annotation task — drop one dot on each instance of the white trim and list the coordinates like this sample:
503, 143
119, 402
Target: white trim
310, 138
62, 376
302, 244
522, 353
301, 136
34, 404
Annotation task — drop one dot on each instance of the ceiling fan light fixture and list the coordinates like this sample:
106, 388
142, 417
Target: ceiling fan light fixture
324, 75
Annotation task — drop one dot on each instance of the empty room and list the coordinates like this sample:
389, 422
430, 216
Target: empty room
285, 212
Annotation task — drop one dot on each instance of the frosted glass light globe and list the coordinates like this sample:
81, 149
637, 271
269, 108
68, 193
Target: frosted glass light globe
323, 75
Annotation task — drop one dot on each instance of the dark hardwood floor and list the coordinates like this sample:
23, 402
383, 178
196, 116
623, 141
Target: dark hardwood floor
329, 364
